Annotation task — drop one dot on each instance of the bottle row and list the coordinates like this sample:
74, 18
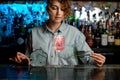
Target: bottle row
101, 33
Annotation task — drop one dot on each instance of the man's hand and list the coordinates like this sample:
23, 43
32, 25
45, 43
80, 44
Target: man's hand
99, 59
21, 58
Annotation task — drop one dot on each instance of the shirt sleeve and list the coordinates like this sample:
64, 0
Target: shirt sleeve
82, 46
28, 48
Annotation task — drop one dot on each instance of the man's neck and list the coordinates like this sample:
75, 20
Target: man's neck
53, 26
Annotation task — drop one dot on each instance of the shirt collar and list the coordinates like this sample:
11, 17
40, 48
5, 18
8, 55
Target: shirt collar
62, 27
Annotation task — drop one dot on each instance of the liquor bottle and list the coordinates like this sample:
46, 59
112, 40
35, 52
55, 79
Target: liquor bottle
75, 22
118, 25
104, 35
90, 37
97, 38
82, 29
111, 34
97, 35
117, 38
110, 39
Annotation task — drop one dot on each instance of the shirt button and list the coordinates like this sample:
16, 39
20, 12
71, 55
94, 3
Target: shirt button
51, 56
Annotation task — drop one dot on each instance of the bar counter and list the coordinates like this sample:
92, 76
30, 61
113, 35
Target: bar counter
80, 72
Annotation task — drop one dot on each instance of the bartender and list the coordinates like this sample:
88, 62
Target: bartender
61, 43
